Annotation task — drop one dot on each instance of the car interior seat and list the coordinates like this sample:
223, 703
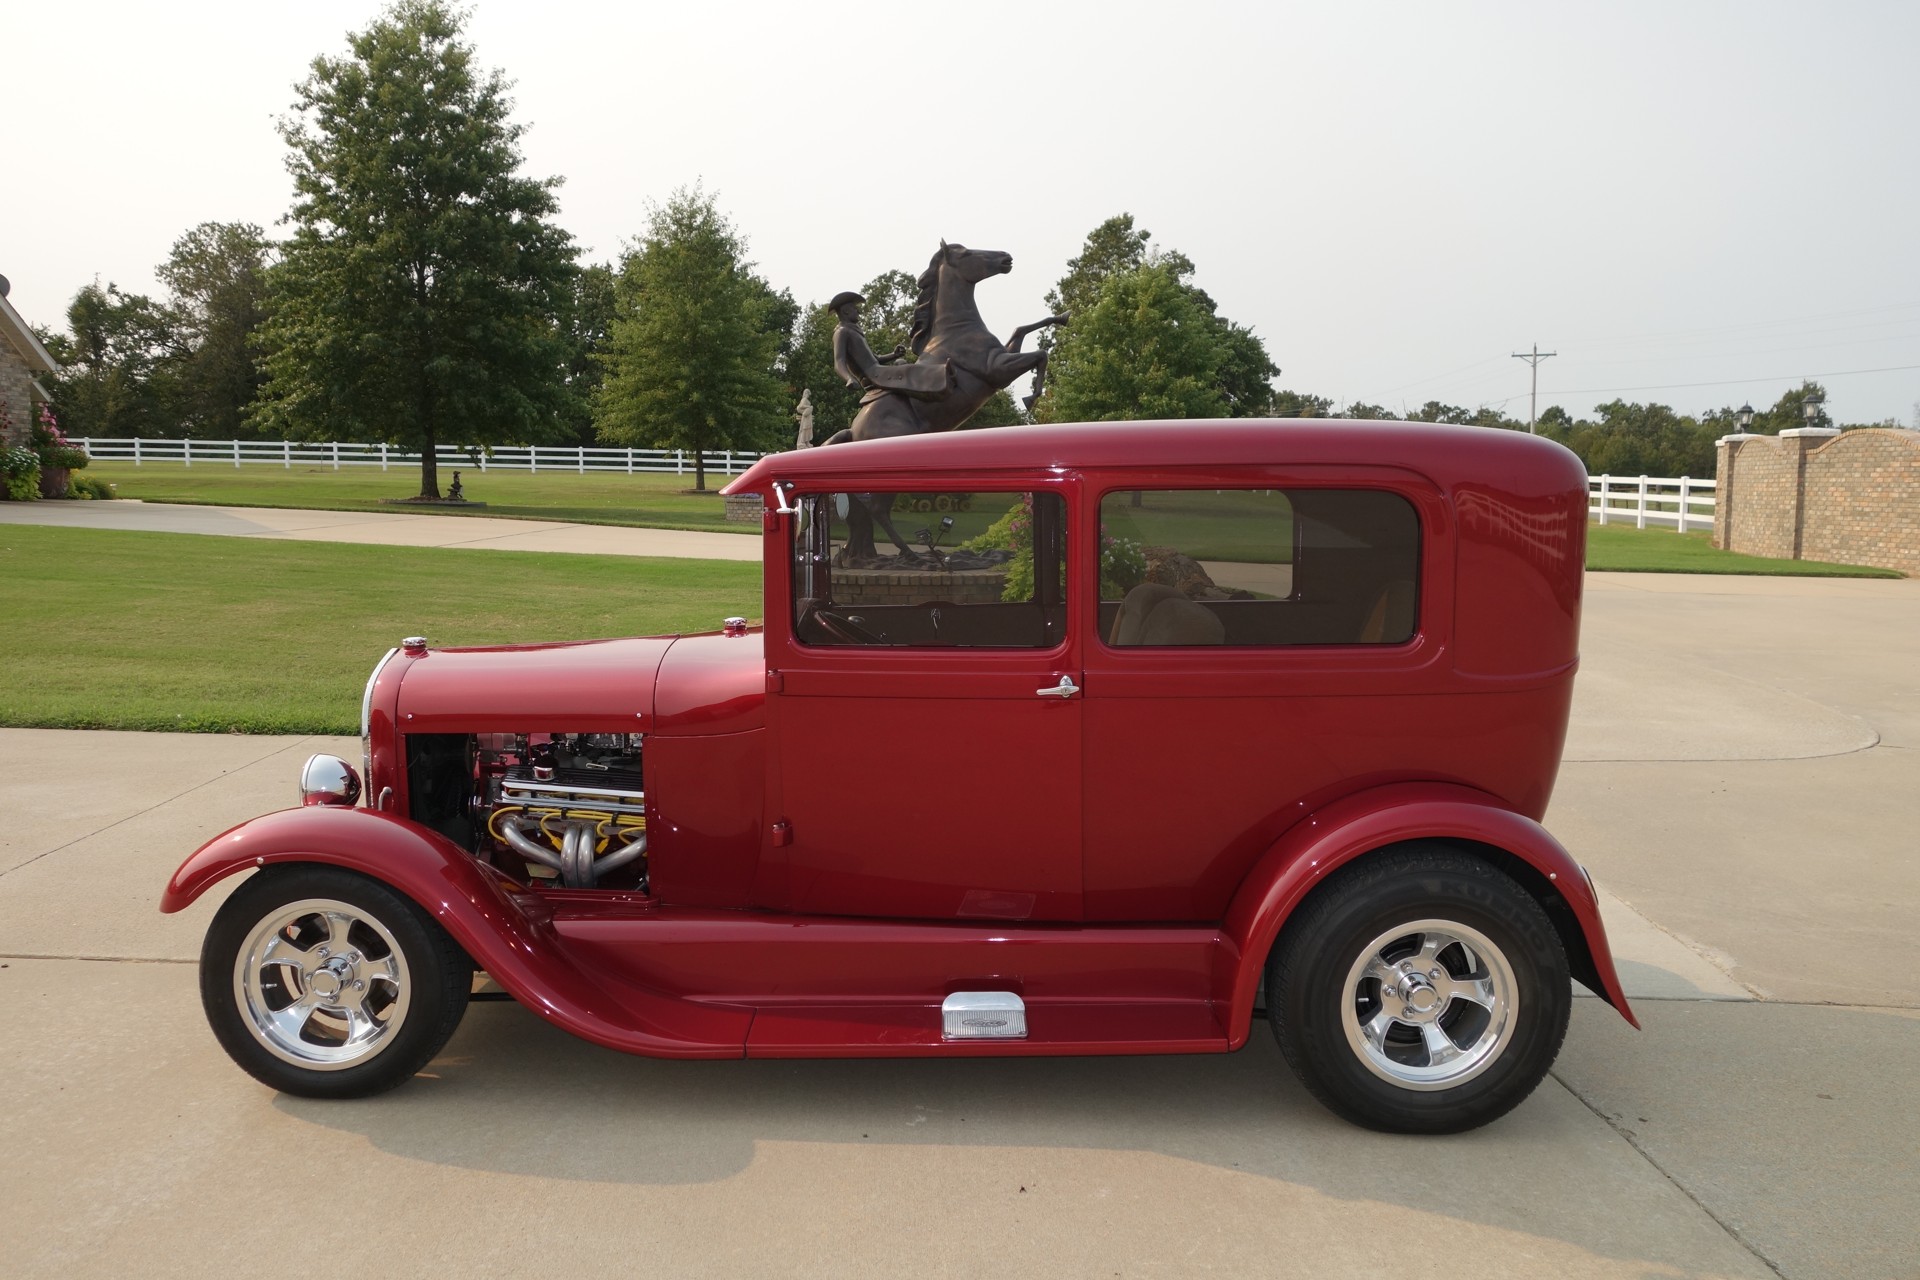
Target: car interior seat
1140, 602
1390, 621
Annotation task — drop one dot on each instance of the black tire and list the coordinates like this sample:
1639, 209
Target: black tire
1399, 1080
282, 999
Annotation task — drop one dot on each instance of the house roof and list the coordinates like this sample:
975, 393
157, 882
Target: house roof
19, 336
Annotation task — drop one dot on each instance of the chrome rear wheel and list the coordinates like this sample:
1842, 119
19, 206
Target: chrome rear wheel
1419, 990
1432, 1004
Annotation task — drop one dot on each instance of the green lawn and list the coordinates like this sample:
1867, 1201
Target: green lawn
112, 630
652, 501
1629, 550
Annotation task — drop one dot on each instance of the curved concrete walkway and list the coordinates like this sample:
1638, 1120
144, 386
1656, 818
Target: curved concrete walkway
389, 528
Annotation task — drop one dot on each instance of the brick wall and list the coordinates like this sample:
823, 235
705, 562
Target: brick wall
887, 586
1850, 499
16, 392
1863, 500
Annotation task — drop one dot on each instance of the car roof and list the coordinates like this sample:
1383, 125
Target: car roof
1445, 454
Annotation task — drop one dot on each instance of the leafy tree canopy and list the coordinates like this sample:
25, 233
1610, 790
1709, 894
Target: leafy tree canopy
692, 360
217, 274
589, 332
1146, 348
1240, 378
423, 297
1298, 404
119, 365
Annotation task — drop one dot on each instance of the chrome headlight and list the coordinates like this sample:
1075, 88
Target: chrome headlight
328, 780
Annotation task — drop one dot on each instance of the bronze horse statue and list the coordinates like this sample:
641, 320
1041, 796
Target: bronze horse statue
947, 327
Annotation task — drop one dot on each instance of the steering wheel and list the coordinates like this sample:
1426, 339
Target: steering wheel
844, 629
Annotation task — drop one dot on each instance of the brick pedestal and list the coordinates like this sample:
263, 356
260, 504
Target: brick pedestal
892, 586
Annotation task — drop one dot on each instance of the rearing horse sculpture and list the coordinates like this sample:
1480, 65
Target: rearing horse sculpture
947, 326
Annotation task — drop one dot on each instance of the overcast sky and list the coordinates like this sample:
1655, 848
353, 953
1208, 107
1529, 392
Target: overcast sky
1697, 203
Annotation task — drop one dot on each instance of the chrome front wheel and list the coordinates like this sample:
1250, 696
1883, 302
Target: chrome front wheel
325, 983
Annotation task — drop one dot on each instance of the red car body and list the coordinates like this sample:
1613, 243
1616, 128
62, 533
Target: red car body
812, 889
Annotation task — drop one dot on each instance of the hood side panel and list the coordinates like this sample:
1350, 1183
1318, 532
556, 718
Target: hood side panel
712, 684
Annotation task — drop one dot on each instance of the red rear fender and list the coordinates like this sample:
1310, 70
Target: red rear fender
1357, 825
504, 929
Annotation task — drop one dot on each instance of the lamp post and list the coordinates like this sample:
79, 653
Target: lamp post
1810, 405
1744, 419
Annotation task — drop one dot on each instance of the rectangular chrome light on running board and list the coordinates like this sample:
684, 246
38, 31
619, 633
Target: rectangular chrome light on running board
983, 1015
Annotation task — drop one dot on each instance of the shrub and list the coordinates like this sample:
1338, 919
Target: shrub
1123, 566
89, 487
19, 473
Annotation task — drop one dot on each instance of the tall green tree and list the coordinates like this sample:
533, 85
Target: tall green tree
693, 358
1242, 374
217, 275
589, 333
423, 296
120, 362
1146, 348
1790, 411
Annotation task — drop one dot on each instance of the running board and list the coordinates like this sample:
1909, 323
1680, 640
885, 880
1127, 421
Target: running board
919, 1030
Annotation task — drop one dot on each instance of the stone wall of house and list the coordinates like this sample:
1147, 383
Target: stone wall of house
1853, 498
16, 392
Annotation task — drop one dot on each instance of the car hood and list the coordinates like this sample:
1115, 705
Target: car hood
592, 686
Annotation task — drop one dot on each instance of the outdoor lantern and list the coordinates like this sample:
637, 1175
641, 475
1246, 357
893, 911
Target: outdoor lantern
1811, 406
1745, 419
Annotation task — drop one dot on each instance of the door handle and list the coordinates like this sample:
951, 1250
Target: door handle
1065, 689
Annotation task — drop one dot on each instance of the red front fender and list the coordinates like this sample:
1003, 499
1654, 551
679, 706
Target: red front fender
502, 926
1359, 824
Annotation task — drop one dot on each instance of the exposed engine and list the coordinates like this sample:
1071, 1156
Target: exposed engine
567, 807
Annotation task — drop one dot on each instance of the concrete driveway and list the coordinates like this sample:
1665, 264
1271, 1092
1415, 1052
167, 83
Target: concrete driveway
387, 528
1742, 778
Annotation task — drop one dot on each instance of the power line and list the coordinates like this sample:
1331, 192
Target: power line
1534, 360
1730, 382
1465, 368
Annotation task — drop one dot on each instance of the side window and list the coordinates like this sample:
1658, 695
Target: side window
930, 569
1183, 567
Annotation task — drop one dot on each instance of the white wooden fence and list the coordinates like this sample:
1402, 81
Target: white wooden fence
532, 458
1683, 502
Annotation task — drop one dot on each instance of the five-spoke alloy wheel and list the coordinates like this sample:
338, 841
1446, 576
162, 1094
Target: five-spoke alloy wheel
322, 982
1419, 990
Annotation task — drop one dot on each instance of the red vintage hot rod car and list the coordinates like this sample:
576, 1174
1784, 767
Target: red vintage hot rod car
1176, 722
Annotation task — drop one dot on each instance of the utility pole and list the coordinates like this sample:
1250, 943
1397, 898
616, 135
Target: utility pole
1533, 401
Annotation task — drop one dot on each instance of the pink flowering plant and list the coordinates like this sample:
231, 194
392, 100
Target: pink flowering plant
52, 446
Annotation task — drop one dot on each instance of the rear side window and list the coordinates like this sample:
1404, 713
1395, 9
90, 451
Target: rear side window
1191, 567
930, 569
